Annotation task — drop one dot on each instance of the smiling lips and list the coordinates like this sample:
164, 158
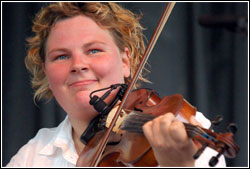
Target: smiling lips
82, 83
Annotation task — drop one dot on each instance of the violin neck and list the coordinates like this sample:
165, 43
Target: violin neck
135, 120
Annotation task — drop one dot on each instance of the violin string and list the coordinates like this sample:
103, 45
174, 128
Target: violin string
197, 130
134, 126
135, 120
193, 130
139, 117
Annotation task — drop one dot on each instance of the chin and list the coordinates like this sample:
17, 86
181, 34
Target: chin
82, 109
82, 99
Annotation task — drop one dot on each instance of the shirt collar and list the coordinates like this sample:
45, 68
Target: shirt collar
62, 139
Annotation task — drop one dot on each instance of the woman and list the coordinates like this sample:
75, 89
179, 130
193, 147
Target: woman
82, 47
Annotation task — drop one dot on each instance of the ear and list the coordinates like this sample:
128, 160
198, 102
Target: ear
126, 62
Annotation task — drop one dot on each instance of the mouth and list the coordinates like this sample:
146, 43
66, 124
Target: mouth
82, 83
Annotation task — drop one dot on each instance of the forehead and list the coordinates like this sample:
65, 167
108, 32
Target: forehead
77, 28
78, 20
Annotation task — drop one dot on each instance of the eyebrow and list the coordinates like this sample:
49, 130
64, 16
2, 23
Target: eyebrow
57, 50
92, 43
86, 45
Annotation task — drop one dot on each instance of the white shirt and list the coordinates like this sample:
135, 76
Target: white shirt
54, 147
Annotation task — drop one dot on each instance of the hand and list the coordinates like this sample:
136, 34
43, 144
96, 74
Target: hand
169, 141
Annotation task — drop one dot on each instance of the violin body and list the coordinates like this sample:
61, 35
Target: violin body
132, 149
128, 147
148, 102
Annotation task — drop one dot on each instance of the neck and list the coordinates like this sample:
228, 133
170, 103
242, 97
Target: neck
78, 127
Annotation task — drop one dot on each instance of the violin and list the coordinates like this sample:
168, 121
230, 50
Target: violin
128, 146
116, 139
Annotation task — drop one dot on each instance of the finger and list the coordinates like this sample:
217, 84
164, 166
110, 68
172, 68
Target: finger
178, 132
165, 139
157, 132
147, 130
166, 121
180, 138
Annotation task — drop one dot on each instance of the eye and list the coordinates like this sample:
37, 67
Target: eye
61, 57
93, 51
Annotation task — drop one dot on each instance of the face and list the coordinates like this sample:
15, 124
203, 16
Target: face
82, 57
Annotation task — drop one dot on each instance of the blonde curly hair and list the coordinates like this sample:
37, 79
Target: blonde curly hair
122, 23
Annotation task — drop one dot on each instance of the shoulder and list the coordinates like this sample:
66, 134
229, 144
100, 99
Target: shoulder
33, 149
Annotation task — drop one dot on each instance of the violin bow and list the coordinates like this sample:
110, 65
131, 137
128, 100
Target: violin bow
164, 17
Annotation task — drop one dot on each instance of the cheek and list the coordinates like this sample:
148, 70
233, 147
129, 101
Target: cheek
108, 67
56, 75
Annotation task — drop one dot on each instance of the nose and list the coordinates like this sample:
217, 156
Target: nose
78, 69
78, 64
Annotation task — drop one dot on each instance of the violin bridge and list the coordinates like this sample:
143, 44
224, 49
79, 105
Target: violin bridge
119, 121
